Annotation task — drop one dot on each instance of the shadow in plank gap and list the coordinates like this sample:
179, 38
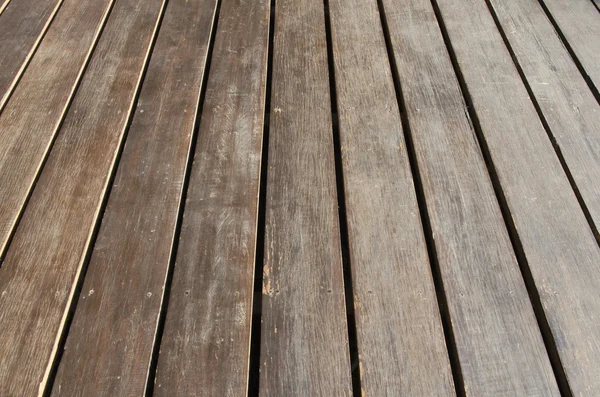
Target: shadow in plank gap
44, 262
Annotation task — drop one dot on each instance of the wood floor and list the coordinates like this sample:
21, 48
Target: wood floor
300, 198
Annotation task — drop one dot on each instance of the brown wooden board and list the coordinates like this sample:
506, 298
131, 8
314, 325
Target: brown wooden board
567, 104
401, 342
492, 319
45, 259
206, 340
557, 242
579, 22
110, 342
30, 120
304, 339
22, 26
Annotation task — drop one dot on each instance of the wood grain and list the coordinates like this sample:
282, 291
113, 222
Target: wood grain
22, 27
558, 244
30, 120
493, 322
45, 259
206, 340
568, 105
110, 343
304, 339
579, 22
401, 346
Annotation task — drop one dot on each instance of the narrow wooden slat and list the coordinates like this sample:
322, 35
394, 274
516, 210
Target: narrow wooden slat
493, 322
304, 339
579, 22
110, 343
568, 105
557, 242
22, 27
30, 119
401, 346
42, 266
205, 345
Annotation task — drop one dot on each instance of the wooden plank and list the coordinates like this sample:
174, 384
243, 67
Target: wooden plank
557, 242
22, 27
402, 350
568, 105
493, 322
31, 118
206, 340
579, 22
44, 261
110, 343
304, 339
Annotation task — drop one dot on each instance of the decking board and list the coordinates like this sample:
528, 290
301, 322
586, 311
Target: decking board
22, 27
304, 337
558, 245
401, 346
111, 339
206, 341
30, 120
45, 259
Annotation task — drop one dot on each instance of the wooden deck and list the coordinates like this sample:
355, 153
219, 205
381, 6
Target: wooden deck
300, 198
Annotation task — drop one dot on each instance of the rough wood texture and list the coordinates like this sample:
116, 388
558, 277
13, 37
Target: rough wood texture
568, 105
45, 258
492, 318
401, 346
22, 27
557, 241
304, 339
31, 118
111, 339
206, 340
579, 22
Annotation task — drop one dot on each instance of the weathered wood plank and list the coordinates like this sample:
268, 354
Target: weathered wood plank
29, 121
557, 242
45, 258
401, 346
110, 342
206, 340
568, 105
304, 339
579, 22
493, 322
22, 27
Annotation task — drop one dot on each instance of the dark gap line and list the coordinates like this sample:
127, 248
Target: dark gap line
597, 5
571, 52
424, 213
342, 214
162, 316
96, 228
255, 332
534, 296
56, 133
551, 136
30, 55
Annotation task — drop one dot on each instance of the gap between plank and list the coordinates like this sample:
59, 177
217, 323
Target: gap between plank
149, 390
17, 78
255, 331
545, 124
534, 296
51, 370
342, 215
563, 38
424, 214
56, 130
